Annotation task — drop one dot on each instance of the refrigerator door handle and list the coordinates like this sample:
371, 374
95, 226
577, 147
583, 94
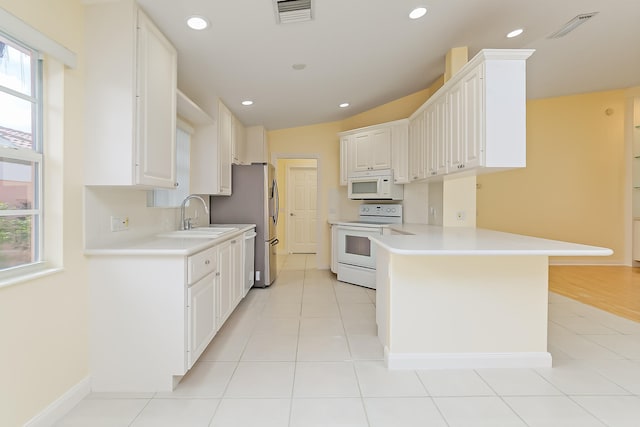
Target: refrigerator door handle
276, 196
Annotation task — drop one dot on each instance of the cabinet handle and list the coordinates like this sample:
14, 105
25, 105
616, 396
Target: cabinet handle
217, 273
177, 184
207, 262
233, 242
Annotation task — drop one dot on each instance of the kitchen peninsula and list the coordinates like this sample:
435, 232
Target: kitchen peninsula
462, 297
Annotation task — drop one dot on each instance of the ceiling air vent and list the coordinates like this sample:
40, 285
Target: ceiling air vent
572, 25
288, 11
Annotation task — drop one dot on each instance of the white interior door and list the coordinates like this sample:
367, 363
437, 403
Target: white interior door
302, 183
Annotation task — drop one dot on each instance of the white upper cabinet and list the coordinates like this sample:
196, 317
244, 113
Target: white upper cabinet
212, 151
256, 148
345, 158
131, 71
417, 147
473, 126
372, 150
477, 119
238, 142
377, 147
400, 152
226, 131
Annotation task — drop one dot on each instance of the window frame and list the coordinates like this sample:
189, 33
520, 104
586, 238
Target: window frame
35, 155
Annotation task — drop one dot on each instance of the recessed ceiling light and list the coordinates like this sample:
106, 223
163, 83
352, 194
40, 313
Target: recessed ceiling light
197, 22
247, 102
418, 12
515, 33
299, 67
344, 105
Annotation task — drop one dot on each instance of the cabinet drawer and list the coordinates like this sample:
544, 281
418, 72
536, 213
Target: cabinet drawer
201, 264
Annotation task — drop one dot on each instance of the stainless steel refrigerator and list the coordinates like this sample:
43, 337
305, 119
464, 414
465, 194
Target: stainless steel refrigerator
253, 200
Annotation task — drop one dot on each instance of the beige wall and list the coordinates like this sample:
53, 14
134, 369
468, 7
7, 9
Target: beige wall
43, 323
573, 186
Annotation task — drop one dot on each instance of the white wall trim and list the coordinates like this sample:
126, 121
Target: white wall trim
62, 405
25, 33
597, 261
414, 361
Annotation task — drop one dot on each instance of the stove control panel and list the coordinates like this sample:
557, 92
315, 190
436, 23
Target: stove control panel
381, 211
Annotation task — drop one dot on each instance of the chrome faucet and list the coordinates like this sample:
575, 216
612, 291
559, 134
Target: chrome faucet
185, 224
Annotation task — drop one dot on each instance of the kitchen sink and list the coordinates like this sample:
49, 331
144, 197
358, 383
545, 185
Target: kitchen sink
199, 232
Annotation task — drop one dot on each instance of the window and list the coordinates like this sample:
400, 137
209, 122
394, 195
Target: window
20, 155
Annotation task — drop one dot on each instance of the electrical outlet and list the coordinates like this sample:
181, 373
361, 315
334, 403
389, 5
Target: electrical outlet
119, 223
460, 215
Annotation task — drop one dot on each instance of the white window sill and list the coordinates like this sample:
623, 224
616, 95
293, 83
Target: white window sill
26, 276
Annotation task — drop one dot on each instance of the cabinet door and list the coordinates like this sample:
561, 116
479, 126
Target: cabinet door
156, 107
238, 271
255, 145
416, 146
456, 142
430, 141
442, 135
201, 315
361, 159
380, 147
344, 158
238, 142
400, 153
225, 135
173, 198
224, 291
473, 118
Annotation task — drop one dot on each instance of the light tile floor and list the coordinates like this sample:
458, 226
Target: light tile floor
304, 353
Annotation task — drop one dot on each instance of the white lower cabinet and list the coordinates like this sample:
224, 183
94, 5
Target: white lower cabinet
201, 308
230, 281
152, 316
202, 316
224, 293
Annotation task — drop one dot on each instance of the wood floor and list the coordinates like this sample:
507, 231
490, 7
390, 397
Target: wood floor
615, 289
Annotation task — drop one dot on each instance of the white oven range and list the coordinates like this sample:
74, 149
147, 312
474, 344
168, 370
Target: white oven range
355, 254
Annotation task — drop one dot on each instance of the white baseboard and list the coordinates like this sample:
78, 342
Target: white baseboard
597, 261
58, 408
466, 360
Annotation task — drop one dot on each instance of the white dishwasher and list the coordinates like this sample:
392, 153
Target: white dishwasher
249, 259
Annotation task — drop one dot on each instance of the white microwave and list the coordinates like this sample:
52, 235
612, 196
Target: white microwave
374, 185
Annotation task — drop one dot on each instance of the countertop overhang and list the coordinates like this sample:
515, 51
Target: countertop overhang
168, 246
422, 239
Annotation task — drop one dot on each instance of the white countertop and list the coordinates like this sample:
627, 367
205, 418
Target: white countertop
181, 246
422, 239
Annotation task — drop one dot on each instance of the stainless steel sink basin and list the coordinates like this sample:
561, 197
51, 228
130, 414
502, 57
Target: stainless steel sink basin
199, 232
